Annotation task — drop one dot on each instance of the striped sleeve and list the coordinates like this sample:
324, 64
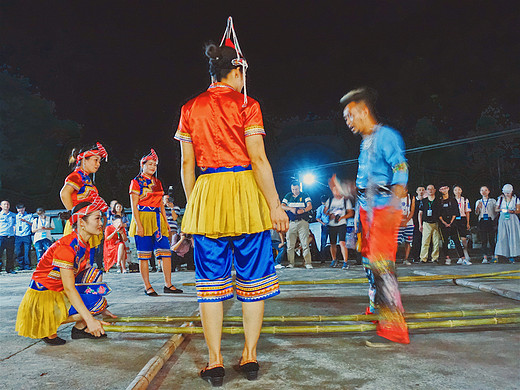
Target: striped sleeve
74, 180
254, 124
183, 131
63, 257
135, 188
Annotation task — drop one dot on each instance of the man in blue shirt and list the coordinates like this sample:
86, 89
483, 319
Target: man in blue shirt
7, 224
381, 182
323, 219
22, 237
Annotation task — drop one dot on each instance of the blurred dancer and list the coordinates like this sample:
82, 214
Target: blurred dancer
381, 182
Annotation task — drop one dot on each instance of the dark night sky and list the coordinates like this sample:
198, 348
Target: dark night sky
124, 68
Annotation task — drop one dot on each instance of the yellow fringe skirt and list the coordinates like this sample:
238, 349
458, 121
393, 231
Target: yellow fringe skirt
226, 204
94, 240
41, 313
149, 221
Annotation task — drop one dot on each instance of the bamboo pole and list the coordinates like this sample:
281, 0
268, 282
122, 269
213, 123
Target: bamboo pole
317, 328
482, 287
150, 370
341, 318
400, 279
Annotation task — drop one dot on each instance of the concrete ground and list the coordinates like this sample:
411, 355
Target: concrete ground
463, 358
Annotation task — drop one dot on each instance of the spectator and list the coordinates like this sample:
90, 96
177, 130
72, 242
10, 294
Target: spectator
406, 228
182, 248
22, 237
118, 209
110, 211
485, 209
462, 221
449, 212
428, 217
339, 209
417, 234
172, 213
279, 248
323, 219
42, 227
297, 205
7, 225
114, 249
508, 240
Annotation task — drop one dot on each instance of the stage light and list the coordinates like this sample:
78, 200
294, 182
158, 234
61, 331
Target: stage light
309, 179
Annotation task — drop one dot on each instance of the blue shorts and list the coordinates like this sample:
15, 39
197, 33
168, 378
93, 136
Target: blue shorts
148, 244
252, 256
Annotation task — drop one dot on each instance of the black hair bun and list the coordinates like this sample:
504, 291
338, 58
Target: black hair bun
213, 51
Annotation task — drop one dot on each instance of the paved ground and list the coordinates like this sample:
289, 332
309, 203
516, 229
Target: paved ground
468, 358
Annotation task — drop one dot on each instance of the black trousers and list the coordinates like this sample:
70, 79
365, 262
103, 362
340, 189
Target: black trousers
415, 252
487, 234
7, 244
446, 234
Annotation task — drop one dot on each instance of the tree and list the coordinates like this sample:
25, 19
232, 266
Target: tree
33, 144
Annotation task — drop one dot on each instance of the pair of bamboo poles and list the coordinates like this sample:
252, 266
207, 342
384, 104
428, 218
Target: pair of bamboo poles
499, 316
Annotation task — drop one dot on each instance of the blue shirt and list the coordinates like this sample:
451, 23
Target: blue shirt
321, 215
381, 164
7, 223
23, 229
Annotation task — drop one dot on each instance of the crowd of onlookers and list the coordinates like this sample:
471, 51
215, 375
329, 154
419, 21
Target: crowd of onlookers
20, 231
434, 226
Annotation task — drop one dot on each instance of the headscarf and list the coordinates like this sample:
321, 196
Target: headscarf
150, 156
99, 150
98, 204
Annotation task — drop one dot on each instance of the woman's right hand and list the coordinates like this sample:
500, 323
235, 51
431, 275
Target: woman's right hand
140, 231
95, 327
279, 219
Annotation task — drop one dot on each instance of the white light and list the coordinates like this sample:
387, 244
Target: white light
309, 179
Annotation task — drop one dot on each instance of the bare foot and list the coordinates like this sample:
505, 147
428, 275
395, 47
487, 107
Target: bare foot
107, 313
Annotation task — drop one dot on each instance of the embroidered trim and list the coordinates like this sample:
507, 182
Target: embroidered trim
253, 130
401, 167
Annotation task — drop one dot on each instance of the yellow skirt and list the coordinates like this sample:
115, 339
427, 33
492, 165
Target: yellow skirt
226, 204
41, 313
94, 240
149, 221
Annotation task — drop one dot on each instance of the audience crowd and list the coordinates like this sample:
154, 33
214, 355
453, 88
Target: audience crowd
435, 226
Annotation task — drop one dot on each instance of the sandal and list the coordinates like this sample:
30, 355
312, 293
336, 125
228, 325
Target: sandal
250, 369
174, 290
214, 375
150, 292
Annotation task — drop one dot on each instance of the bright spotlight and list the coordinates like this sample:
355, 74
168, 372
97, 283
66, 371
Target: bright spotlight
309, 179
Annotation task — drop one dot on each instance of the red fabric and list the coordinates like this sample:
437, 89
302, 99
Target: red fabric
217, 125
84, 190
229, 43
150, 190
378, 238
111, 246
68, 252
378, 244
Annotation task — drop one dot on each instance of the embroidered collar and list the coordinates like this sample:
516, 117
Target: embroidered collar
220, 85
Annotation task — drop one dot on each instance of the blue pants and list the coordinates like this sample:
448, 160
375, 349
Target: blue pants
41, 247
252, 256
323, 241
23, 243
7, 244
